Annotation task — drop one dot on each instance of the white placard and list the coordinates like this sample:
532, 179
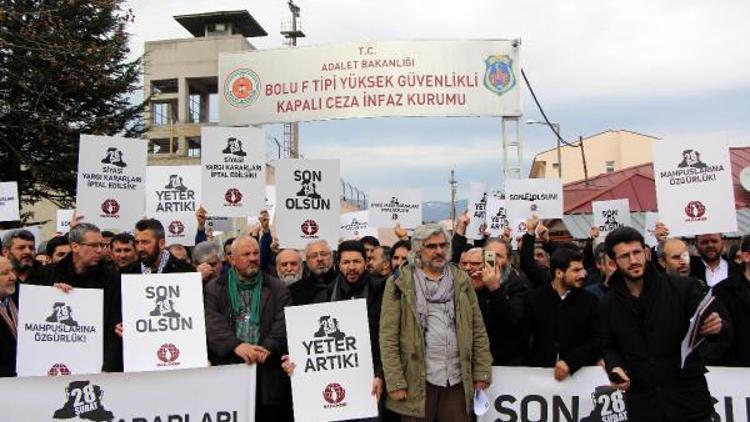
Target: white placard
59, 333
111, 181
496, 217
220, 224
308, 202
694, 188
63, 220
543, 197
370, 79
138, 397
477, 208
163, 321
610, 215
518, 228
233, 162
9, 204
172, 196
648, 230
354, 225
330, 345
391, 206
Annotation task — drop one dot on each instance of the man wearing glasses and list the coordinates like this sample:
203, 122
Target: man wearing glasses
645, 316
84, 267
319, 275
433, 343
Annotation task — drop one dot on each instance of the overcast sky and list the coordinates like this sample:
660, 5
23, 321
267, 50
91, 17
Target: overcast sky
674, 69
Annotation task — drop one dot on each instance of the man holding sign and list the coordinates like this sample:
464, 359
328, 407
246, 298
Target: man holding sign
245, 323
8, 319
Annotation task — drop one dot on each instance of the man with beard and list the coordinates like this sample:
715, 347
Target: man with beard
289, 266
734, 293
433, 343
400, 254
245, 323
674, 257
123, 250
19, 248
153, 257
645, 316
500, 291
57, 248
379, 263
313, 288
562, 318
710, 266
84, 267
8, 319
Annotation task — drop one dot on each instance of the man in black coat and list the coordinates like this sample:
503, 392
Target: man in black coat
734, 294
562, 318
710, 265
153, 256
84, 267
500, 292
245, 323
319, 274
8, 319
645, 316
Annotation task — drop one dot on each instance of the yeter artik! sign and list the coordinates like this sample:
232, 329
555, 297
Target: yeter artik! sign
111, 180
233, 171
172, 196
307, 201
330, 345
694, 187
163, 321
59, 333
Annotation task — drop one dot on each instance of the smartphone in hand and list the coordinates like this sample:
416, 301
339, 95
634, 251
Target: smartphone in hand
489, 258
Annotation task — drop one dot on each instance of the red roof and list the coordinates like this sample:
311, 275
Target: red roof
637, 185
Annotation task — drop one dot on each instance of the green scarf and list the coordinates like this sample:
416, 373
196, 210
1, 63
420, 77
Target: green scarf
247, 316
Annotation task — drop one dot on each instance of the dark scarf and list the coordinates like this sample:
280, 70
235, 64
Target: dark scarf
343, 290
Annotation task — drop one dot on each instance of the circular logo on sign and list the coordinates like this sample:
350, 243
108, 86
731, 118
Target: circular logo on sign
309, 227
534, 207
233, 196
58, 369
168, 353
176, 227
334, 393
695, 209
242, 87
110, 207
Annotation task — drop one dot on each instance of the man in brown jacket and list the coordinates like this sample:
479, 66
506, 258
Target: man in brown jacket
433, 342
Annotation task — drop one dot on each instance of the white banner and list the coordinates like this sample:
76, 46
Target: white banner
391, 206
9, 204
330, 345
172, 196
496, 217
111, 181
308, 195
370, 79
223, 393
354, 225
610, 215
234, 170
532, 394
163, 322
648, 230
543, 197
477, 208
59, 333
518, 228
220, 224
694, 188
63, 220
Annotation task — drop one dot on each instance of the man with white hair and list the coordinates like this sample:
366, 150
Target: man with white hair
289, 266
313, 288
207, 259
433, 343
245, 323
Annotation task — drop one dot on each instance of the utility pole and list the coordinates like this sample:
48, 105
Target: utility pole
291, 30
453, 185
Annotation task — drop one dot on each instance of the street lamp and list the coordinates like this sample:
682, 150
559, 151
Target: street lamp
556, 127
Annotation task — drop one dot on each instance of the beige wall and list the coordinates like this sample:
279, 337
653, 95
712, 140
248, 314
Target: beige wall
625, 148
